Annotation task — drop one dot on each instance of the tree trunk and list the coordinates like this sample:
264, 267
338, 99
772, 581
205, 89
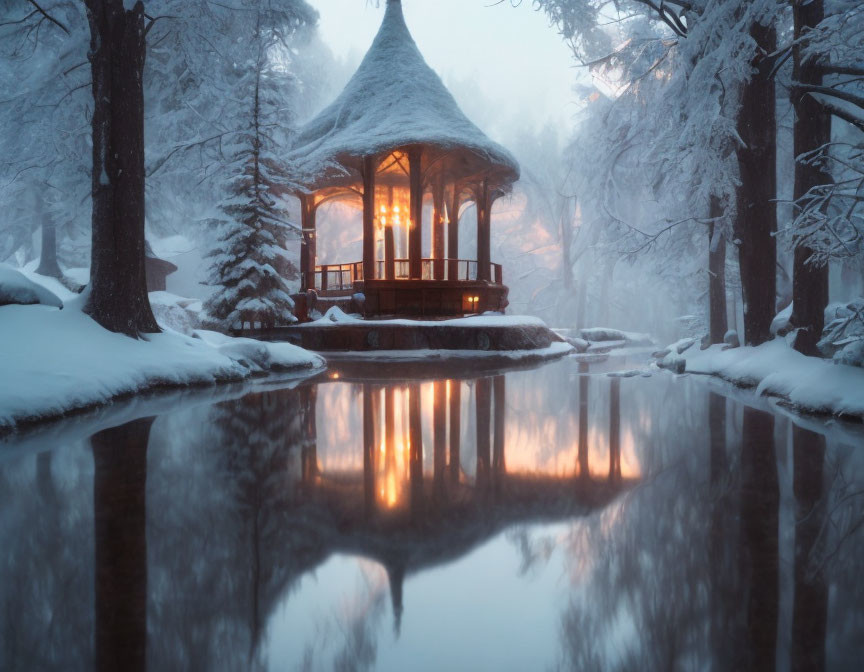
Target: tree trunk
118, 287
812, 130
756, 217
567, 248
718, 326
48, 256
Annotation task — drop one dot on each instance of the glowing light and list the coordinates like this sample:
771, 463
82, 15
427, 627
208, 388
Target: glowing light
334, 376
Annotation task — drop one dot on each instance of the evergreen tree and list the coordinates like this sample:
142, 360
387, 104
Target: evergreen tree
250, 263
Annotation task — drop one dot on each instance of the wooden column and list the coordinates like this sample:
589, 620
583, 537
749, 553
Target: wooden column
307, 241
311, 238
453, 233
415, 234
389, 242
483, 400
369, 168
484, 237
438, 252
304, 226
455, 430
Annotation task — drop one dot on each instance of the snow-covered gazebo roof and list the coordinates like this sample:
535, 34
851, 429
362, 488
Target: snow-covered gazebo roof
396, 100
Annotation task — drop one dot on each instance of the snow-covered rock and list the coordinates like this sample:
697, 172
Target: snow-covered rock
730, 338
852, 354
176, 312
16, 288
603, 334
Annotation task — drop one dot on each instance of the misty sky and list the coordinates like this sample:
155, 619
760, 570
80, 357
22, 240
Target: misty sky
522, 67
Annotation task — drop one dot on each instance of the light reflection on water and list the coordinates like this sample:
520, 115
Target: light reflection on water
542, 519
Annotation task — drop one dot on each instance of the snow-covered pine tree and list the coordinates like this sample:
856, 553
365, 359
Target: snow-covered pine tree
251, 250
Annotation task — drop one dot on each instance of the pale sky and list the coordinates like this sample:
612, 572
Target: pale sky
521, 66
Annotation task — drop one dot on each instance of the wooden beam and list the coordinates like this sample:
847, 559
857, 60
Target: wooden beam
415, 234
311, 237
369, 168
438, 241
389, 241
453, 232
304, 258
484, 237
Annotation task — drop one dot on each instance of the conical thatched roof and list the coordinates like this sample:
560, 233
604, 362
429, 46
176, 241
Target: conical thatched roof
394, 100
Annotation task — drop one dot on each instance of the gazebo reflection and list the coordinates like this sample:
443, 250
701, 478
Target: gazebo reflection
394, 482
409, 513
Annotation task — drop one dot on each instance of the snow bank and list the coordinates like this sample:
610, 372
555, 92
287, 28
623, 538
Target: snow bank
774, 369
260, 357
335, 317
56, 361
16, 288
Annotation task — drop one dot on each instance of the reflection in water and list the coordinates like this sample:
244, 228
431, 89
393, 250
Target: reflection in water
760, 501
272, 531
120, 531
810, 609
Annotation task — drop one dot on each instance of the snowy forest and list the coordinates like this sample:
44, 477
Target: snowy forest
710, 177
397, 334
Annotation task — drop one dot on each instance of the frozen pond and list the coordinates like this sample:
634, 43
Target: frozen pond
374, 518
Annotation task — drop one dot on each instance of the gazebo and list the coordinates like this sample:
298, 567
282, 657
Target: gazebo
394, 137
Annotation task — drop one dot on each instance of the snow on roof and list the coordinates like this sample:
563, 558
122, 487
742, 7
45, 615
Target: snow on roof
393, 100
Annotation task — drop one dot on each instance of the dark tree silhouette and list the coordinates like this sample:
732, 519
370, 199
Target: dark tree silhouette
118, 287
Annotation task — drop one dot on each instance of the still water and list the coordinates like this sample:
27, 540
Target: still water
377, 518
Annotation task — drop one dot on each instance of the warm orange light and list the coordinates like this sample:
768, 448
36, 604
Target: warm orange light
334, 376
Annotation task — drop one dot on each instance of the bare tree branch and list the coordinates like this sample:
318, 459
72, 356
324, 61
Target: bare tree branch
49, 17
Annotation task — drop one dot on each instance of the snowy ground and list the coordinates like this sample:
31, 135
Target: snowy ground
57, 361
774, 369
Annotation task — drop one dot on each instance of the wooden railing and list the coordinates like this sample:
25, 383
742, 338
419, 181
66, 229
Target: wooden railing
341, 277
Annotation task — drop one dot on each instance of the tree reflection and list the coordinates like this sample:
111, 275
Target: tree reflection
760, 503
120, 524
810, 610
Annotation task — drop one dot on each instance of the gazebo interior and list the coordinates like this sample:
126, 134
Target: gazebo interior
394, 138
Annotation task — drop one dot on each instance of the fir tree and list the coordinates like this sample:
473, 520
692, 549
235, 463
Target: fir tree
250, 263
